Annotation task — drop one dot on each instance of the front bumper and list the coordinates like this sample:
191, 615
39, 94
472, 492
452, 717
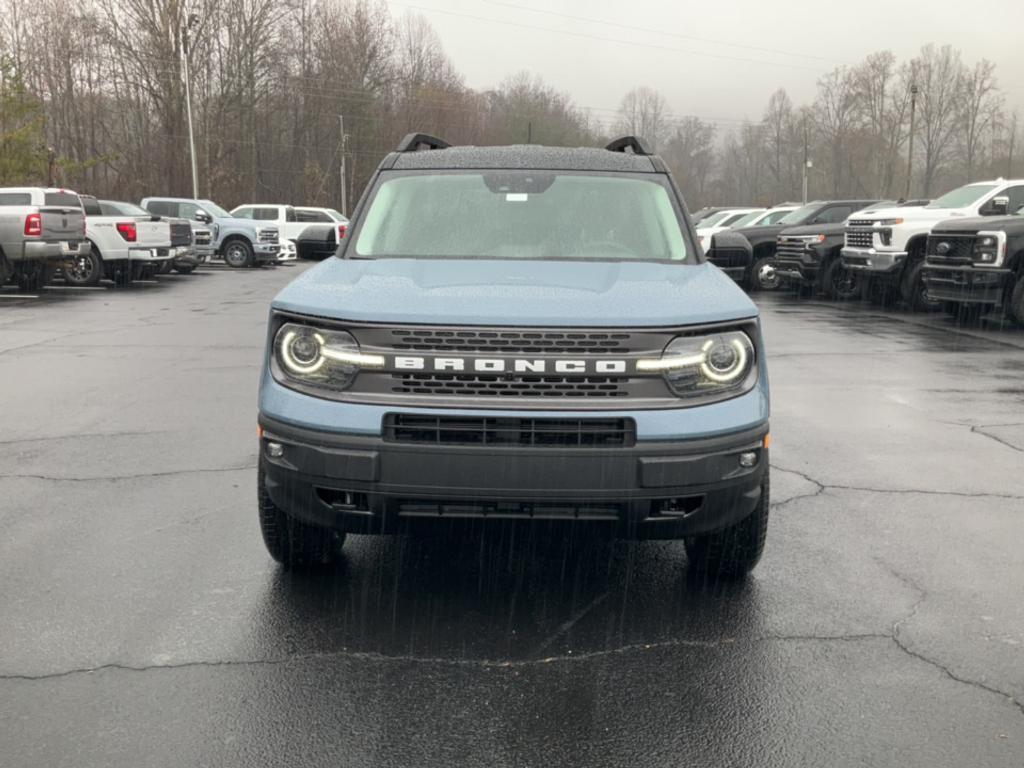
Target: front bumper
804, 269
368, 484
287, 253
872, 260
967, 285
186, 256
266, 252
52, 250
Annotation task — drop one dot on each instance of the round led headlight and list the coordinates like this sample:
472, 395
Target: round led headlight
299, 350
319, 358
707, 366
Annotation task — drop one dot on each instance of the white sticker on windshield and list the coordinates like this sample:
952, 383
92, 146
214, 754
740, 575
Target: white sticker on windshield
517, 197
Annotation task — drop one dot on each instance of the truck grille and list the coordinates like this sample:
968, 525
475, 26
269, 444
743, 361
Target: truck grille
268, 235
961, 249
181, 233
474, 385
789, 249
454, 430
549, 342
859, 238
202, 236
860, 223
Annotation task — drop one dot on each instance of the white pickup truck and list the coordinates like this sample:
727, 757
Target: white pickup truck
124, 248
39, 228
290, 221
887, 245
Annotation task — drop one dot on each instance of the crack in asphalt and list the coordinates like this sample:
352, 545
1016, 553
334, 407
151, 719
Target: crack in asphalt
823, 487
79, 436
904, 646
116, 478
980, 430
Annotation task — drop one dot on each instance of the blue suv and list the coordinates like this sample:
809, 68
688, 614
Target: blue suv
516, 333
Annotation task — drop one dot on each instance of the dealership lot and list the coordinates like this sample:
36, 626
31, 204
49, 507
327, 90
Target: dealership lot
144, 624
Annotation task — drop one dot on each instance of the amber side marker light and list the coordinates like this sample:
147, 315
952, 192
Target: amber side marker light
259, 432
767, 441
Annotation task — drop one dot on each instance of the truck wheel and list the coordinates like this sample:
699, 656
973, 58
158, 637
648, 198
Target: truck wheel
1017, 301
33, 277
291, 542
735, 550
840, 283
763, 276
913, 290
184, 269
84, 270
238, 254
121, 273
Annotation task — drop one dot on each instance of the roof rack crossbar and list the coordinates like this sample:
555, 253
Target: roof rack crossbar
636, 143
414, 141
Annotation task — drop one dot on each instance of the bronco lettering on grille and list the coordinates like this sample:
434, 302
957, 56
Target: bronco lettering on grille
508, 365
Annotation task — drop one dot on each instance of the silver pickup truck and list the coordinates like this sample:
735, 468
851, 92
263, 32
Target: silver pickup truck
39, 228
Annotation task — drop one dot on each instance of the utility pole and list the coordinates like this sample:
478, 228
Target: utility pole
1013, 137
193, 21
341, 168
910, 153
529, 132
807, 162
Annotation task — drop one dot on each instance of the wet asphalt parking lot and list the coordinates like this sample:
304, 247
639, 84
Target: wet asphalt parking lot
142, 623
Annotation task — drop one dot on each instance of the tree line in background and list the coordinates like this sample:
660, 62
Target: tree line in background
92, 96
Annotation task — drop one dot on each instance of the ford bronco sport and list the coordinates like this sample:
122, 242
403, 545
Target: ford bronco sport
516, 333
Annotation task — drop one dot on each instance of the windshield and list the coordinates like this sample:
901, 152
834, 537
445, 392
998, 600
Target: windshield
963, 196
111, 208
214, 210
522, 215
799, 215
748, 219
711, 220
336, 215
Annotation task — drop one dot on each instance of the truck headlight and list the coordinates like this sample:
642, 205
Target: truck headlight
989, 249
319, 357
715, 364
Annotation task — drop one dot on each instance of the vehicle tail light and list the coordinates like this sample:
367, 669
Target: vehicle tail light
33, 225
127, 230
342, 229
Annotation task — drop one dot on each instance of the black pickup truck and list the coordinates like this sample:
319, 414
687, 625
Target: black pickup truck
764, 240
977, 264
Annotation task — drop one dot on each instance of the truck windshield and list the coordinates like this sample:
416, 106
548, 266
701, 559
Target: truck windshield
214, 210
522, 215
962, 196
749, 219
111, 208
799, 216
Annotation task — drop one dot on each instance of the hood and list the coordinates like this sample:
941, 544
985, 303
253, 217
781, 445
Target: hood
975, 224
231, 221
516, 292
816, 229
907, 214
763, 232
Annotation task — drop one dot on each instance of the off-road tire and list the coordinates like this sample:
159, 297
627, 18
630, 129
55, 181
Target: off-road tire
761, 279
84, 274
1016, 307
35, 278
913, 290
733, 551
291, 542
238, 254
841, 284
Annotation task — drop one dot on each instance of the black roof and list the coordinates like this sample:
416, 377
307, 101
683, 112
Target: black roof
524, 156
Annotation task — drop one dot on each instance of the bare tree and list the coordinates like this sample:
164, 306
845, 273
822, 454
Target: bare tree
939, 74
980, 104
644, 112
690, 153
836, 112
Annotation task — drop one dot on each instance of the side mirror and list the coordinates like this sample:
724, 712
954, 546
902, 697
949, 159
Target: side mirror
203, 217
999, 206
731, 252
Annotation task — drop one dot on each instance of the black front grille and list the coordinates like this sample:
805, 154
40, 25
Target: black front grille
860, 223
859, 238
457, 430
789, 249
181, 233
509, 510
549, 342
202, 236
959, 249
472, 385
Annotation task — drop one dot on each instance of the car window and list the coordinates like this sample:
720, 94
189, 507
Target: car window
522, 215
162, 207
774, 217
731, 219
242, 213
265, 214
62, 199
307, 215
1016, 196
189, 210
289, 214
962, 196
15, 198
91, 206
833, 214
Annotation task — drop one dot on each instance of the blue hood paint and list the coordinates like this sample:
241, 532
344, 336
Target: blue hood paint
519, 292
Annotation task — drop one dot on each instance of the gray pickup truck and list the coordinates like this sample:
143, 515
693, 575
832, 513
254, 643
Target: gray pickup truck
39, 228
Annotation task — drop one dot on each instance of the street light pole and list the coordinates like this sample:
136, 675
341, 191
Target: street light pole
341, 169
807, 162
193, 21
910, 153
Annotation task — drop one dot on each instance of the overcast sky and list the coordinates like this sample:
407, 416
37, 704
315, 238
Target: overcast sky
718, 59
